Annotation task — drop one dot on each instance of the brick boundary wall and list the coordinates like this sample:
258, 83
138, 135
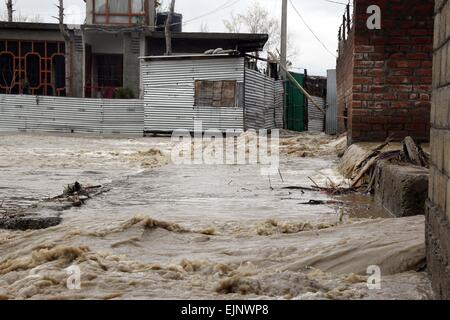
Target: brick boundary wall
390, 70
438, 207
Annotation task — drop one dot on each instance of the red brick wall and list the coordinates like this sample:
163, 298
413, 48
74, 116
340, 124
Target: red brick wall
392, 71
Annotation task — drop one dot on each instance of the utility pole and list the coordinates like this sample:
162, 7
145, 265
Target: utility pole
9, 6
168, 30
283, 51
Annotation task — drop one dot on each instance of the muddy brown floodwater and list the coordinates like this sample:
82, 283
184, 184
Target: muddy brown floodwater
178, 231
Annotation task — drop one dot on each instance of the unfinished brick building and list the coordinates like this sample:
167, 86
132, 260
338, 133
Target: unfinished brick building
384, 75
438, 208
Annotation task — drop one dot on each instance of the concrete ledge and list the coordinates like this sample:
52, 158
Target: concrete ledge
401, 189
437, 237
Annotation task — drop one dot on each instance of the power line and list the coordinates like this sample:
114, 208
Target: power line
311, 30
226, 5
337, 2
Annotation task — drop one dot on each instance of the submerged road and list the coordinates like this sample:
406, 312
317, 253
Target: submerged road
197, 231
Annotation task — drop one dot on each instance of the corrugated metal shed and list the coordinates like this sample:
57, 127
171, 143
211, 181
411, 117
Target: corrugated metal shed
332, 114
169, 92
316, 119
260, 101
77, 115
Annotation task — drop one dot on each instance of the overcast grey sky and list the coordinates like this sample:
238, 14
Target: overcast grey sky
323, 17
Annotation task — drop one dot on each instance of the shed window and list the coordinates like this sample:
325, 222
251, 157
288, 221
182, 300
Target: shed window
221, 94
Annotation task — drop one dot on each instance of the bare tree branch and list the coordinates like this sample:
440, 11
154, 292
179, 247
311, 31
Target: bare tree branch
258, 19
9, 6
62, 27
204, 27
234, 24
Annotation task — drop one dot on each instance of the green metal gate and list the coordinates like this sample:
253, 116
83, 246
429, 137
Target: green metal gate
295, 104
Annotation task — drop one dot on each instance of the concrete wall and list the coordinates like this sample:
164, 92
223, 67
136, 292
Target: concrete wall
39, 34
391, 71
131, 62
438, 211
75, 65
106, 43
401, 190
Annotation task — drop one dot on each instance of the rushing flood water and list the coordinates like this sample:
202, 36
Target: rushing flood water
197, 231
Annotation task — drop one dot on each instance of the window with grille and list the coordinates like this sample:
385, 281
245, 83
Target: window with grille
32, 67
221, 94
120, 11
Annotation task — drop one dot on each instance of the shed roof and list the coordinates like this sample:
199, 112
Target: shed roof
29, 26
190, 57
248, 42
38, 26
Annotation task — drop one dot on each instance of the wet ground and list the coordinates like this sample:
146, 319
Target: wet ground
198, 231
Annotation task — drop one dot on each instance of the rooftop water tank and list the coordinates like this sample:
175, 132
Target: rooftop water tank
177, 21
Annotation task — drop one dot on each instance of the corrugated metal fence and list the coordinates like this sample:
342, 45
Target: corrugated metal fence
331, 117
263, 101
316, 119
170, 93
279, 104
168, 104
72, 115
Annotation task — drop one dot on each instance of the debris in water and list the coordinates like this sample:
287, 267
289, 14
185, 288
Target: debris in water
77, 194
410, 152
321, 202
333, 189
14, 217
413, 153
